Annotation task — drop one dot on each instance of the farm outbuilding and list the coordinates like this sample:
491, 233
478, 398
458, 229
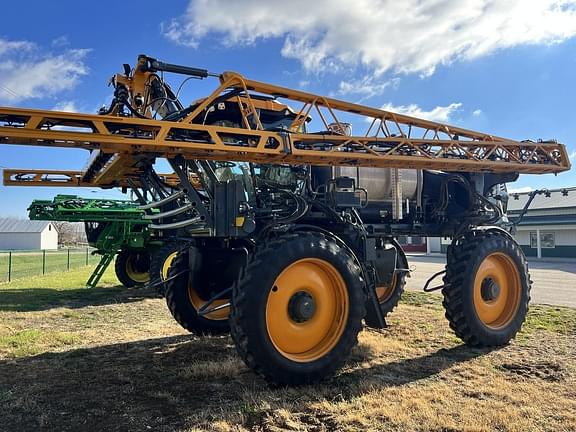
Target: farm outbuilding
549, 227
18, 234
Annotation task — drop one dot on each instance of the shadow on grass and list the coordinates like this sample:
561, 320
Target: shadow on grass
174, 383
39, 299
417, 368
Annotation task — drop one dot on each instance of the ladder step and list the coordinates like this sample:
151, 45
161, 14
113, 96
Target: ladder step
100, 269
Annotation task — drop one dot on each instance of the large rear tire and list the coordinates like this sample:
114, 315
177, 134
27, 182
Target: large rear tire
298, 308
184, 299
132, 268
486, 288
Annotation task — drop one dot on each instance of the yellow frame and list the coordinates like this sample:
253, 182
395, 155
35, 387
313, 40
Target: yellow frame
390, 141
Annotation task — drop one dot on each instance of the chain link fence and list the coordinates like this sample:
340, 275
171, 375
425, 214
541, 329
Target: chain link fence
19, 264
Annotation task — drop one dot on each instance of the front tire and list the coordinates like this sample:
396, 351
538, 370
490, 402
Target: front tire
486, 288
298, 308
132, 268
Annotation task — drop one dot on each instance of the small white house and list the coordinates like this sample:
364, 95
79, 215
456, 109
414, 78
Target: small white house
27, 235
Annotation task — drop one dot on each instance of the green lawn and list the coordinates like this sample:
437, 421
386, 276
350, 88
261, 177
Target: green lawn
58, 289
24, 264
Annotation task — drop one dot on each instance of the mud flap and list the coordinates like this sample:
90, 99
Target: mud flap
374, 317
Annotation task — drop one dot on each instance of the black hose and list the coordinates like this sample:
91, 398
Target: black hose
132, 110
110, 109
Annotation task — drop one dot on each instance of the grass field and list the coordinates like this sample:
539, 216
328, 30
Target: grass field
26, 264
113, 359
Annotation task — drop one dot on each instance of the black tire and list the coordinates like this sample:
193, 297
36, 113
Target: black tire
258, 279
389, 302
160, 263
180, 304
467, 293
132, 268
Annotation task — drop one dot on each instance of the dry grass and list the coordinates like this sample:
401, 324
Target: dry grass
113, 359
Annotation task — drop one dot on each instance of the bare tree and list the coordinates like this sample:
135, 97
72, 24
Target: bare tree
70, 233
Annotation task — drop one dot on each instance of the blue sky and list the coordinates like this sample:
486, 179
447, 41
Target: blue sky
504, 69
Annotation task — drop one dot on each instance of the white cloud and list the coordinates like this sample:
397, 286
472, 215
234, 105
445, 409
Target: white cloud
178, 33
11, 46
303, 84
411, 36
26, 71
439, 113
366, 87
61, 41
477, 112
66, 106
573, 156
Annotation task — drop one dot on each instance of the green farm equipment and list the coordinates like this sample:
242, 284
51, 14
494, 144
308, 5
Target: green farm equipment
113, 227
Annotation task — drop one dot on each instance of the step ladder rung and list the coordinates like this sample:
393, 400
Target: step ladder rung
100, 269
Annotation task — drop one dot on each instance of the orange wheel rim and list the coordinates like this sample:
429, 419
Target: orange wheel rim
497, 290
383, 293
307, 310
197, 302
133, 273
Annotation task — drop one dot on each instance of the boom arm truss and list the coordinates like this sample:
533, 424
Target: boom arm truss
390, 140
71, 178
72, 208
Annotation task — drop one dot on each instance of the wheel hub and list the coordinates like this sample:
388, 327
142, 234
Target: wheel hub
307, 309
301, 307
140, 263
490, 290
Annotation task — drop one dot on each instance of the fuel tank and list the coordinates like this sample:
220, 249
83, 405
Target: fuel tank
392, 193
381, 183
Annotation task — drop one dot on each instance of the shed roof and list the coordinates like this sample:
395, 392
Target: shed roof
556, 200
22, 226
546, 220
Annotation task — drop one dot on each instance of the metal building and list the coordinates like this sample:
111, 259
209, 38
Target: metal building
548, 230
18, 234
549, 227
